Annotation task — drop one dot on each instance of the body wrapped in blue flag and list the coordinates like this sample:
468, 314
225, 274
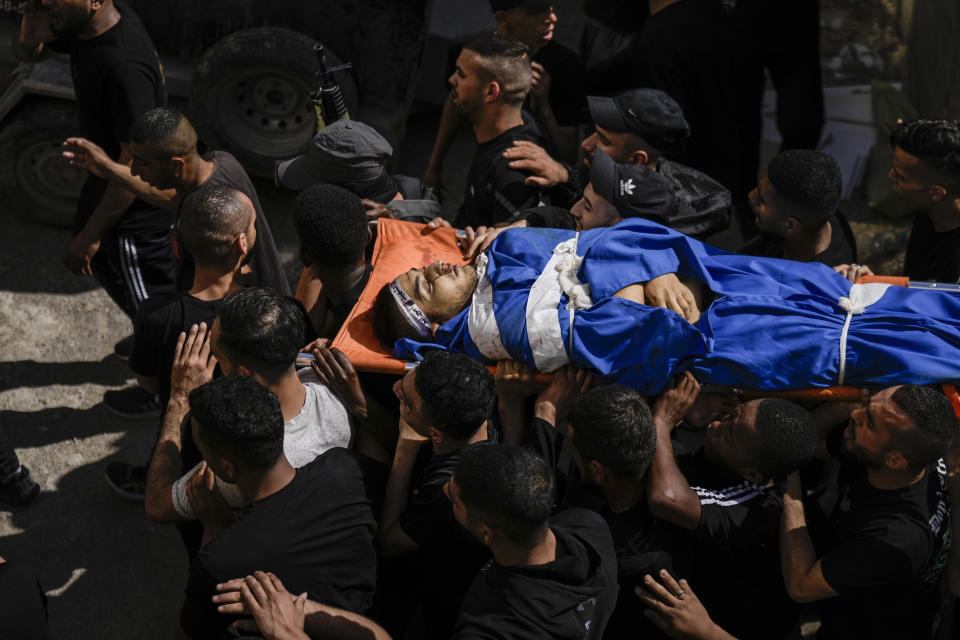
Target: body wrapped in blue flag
772, 325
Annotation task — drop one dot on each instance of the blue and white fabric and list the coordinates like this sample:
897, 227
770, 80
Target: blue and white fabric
773, 325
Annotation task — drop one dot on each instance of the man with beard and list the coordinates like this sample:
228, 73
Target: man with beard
637, 127
122, 241
878, 558
491, 80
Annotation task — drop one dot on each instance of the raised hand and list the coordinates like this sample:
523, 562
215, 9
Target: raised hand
193, 364
80, 152
674, 403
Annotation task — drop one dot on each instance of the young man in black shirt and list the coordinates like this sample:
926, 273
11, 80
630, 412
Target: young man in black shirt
313, 527
332, 227
490, 82
612, 441
724, 495
925, 171
549, 577
876, 566
220, 232
122, 241
445, 403
795, 206
166, 168
558, 76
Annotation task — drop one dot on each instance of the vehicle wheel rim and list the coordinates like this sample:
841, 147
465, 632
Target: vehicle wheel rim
46, 177
268, 111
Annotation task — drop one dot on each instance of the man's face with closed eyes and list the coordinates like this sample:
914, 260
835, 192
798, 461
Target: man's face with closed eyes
441, 290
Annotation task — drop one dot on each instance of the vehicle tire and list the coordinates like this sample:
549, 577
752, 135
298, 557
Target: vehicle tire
32, 170
251, 95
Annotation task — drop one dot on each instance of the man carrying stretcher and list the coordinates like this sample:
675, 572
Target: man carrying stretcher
550, 297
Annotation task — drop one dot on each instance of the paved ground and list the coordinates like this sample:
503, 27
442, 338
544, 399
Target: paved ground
104, 565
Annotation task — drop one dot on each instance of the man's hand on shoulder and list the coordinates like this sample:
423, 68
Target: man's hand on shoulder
335, 370
527, 156
277, 613
193, 364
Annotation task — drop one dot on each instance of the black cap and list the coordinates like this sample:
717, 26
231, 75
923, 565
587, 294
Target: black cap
344, 151
648, 113
533, 6
634, 189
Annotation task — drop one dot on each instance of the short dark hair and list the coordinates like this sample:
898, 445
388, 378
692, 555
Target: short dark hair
165, 130
332, 226
934, 420
811, 179
458, 391
935, 142
389, 324
787, 436
505, 60
212, 218
240, 417
508, 488
612, 424
261, 330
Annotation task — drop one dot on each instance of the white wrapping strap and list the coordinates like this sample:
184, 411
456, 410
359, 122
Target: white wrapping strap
481, 320
860, 297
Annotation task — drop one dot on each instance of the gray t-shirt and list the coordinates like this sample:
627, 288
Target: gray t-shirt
322, 424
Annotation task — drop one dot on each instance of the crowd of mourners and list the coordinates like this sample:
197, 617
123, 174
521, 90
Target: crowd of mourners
455, 501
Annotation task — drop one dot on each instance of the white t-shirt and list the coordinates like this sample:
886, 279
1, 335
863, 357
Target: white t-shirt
323, 423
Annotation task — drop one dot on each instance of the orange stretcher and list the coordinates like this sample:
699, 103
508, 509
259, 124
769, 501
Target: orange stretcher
401, 245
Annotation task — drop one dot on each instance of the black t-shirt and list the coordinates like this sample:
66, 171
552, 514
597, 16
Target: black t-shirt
842, 249
641, 542
156, 330
931, 255
23, 606
683, 51
885, 555
567, 96
264, 261
449, 555
761, 25
495, 192
117, 78
571, 597
316, 534
735, 552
